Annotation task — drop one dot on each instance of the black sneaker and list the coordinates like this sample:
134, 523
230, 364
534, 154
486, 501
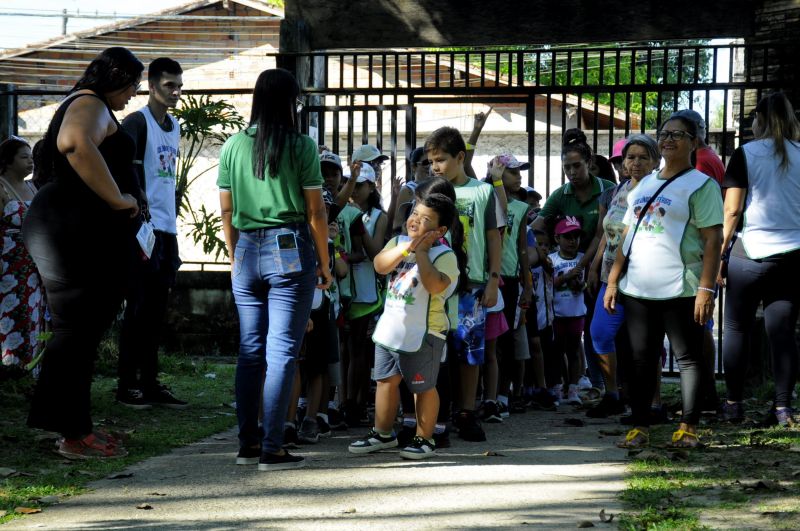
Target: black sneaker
132, 398
732, 412
442, 439
658, 415
287, 461
248, 456
300, 415
162, 396
290, 439
468, 427
491, 413
517, 405
406, 435
778, 417
542, 400
308, 432
372, 443
336, 420
419, 449
502, 410
323, 427
606, 407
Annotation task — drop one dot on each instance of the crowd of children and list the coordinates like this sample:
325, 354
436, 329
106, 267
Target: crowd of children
446, 311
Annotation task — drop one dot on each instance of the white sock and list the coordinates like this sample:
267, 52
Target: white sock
502, 399
410, 422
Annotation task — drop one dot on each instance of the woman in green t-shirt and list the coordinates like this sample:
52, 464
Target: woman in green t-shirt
276, 231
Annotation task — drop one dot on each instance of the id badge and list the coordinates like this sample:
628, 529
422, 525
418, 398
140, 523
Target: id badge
287, 255
146, 238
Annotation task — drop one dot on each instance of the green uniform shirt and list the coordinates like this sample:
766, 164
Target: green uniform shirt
517, 216
473, 201
275, 200
564, 202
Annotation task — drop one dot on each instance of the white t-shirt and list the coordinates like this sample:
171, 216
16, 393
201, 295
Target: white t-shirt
568, 298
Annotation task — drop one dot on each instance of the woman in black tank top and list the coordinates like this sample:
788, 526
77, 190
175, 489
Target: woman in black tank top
80, 230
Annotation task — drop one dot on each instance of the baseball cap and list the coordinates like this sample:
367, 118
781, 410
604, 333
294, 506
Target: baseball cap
694, 116
417, 156
568, 224
367, 174
367, 153
619, 145
510, 161
333, 158
530, 190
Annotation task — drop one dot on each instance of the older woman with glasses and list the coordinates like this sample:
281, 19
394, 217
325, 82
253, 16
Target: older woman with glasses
666, 269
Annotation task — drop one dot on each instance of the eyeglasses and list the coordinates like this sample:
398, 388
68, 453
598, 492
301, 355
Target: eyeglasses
299, 105
674, 135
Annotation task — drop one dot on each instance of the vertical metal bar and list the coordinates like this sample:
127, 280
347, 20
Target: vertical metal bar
697, 65
413, 118
730, 64
408, 69
497, 69
714, 61
349, 132
335, 133
596, 124
530, 128
680, 66
602, 74
422, 69
569, 69
341, 71
326, 71
538, 68
563, 122
355, 70
321, 126
612, 120
483, 69
452, 70
520, 69
579, 112
649, 66
549, 111
393, 142
724, 147
659, 103
379, 128
585, 67
365, 127
643, 117
466, 70
707, 114
369, 68
383, 69
627, 115
396, 70
510, 69
437, 64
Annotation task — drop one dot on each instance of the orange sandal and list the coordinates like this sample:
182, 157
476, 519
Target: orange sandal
90, 447
635, 439
684, 439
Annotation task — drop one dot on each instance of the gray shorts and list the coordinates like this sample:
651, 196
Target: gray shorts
419, 370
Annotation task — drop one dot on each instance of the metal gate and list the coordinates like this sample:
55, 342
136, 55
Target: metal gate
613, 91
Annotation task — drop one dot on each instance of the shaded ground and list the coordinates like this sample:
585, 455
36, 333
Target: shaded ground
547, 474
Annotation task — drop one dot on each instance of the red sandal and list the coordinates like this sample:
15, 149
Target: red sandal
90, 447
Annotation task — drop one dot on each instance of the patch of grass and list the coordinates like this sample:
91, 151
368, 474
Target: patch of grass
746, 474
41, 472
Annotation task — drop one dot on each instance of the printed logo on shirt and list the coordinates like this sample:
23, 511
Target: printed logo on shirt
402, 283
167, 156
653, 220
466, 215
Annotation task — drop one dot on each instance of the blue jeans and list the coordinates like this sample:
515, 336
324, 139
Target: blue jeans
273, 289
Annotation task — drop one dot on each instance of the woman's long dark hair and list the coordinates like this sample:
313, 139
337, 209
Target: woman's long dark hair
274, 115
780, 124
8, 151
115, 68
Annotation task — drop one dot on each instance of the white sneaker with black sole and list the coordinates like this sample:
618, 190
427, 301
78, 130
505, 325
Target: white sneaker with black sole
419, 448
372, 443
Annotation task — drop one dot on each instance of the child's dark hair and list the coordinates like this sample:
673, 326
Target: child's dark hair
575, 141
447, 139
439, 195
552, 221
374, 199
8, 151
436, 185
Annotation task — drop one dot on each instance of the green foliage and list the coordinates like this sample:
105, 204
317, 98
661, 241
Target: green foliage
204, 123
576, 66
205, 231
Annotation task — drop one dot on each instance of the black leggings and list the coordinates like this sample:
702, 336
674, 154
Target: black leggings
647, 321
83, 276
775, 283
